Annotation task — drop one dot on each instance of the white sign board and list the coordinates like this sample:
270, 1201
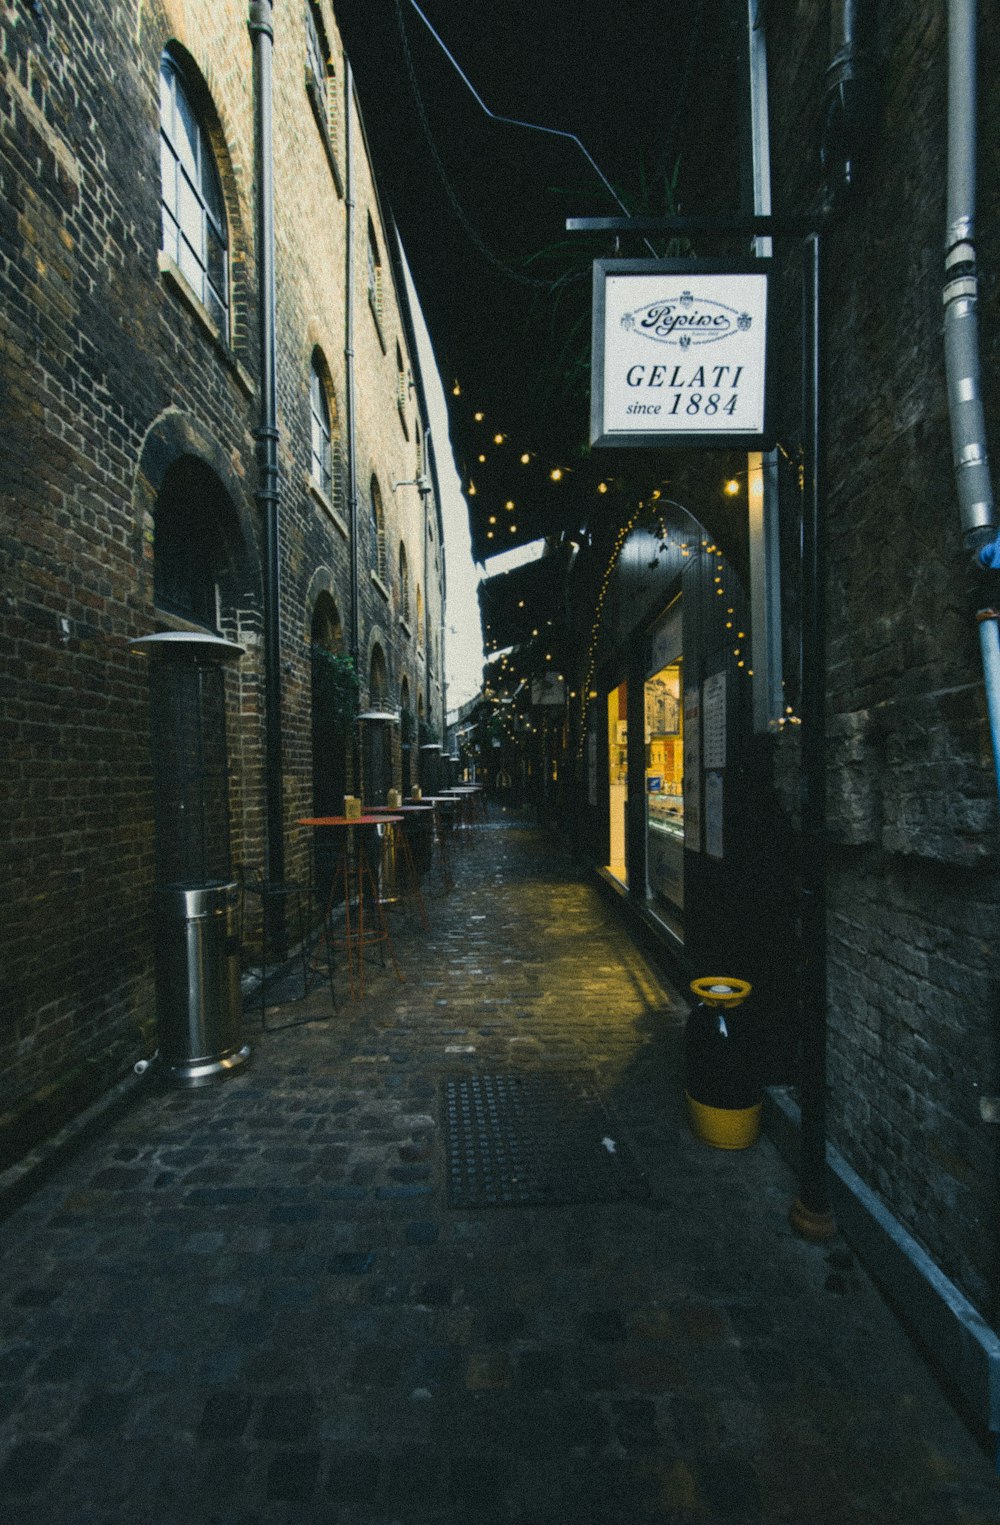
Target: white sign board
548, 689
679, 353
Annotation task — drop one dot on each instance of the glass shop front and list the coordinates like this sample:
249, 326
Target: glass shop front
664, 744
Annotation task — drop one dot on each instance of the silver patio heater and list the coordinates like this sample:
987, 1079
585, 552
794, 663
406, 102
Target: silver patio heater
197, 954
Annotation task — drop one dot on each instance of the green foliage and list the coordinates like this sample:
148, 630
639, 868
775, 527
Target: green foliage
335, 683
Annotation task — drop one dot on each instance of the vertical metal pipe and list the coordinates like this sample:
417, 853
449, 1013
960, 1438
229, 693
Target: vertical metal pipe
260, 26
352, 455
961, 289
810, 1214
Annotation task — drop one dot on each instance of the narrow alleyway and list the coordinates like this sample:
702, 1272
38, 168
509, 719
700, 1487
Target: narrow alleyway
284, 1300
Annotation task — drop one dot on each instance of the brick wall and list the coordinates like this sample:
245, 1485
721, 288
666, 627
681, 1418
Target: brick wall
913, 891
109, 373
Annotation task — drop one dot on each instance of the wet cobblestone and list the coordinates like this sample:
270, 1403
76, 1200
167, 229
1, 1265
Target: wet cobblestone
253, 1305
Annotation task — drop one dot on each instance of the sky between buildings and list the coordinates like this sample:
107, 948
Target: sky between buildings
463, 640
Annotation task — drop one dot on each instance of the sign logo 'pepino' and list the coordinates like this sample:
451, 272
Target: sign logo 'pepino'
684, 321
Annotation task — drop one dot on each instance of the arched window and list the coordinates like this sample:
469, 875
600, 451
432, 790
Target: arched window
378, 678
404, 583
334, 702
374, 273
321, 82
378, 531
402, 390
194, 214
321, 453
191, 519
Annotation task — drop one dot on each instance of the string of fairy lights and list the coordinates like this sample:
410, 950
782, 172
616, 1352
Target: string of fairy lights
556, 471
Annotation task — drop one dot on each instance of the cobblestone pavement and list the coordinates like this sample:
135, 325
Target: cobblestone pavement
254, 1304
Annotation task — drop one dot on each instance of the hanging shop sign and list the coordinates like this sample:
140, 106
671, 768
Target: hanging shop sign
548, 690
679, 353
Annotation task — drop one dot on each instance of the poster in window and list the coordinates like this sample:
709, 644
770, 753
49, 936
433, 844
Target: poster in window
692, 769
714, 695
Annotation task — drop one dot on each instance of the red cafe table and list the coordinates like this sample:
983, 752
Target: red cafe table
365, 925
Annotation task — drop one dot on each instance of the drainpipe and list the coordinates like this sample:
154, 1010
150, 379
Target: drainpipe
961, 341
352, 464
844, 101
261, 32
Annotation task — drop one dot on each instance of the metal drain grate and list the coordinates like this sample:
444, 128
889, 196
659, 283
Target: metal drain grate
531, 1140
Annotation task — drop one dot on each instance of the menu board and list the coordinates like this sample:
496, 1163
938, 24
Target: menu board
714, 697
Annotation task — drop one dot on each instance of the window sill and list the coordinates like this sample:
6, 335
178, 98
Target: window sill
404, 626
380, 585
326, 504
181, 287
316, 102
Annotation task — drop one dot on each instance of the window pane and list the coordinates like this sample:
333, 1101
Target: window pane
168, 175
166, 97
191, 267
185, 134
315, 50
190, 215
216, 308
217, 266
211, 188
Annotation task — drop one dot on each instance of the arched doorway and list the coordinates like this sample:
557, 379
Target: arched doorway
377, 739
197, 550
407, 735
334, 702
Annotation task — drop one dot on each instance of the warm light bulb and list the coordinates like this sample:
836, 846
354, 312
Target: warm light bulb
509, 504
525, 458
479, 417
456, 390
481, 459
602, 487
498, 439
731, 488
472, 489
555, 474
